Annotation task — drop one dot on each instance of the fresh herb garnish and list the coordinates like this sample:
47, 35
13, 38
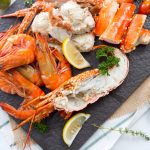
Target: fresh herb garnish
125, 131
41, 126
28, 3
106, 52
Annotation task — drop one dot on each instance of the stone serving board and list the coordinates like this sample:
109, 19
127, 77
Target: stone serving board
101, 110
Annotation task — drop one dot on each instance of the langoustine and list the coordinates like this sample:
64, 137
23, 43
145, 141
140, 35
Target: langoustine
18, 49
79, 91
13, 82
54, 68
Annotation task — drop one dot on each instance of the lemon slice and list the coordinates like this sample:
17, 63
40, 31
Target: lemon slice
73, 126
73, 56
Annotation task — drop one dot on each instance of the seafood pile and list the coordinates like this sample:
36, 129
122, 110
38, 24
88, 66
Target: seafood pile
31, 55
122, 27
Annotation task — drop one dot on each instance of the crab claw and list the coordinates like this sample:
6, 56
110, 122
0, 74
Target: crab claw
20, 114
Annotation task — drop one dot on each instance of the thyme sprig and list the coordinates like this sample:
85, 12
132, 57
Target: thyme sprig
125, 131
107, 52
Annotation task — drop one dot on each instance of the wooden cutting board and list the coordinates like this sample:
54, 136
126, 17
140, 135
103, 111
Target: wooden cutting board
101, 110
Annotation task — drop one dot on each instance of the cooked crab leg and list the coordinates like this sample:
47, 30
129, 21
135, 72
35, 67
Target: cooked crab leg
125, 1
26, 21
28, 17
144, 37
106, 16
19, 13
114, 32
92, 2
133, 33
29, 14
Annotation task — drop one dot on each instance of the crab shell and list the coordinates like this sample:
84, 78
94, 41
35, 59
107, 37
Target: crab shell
89, 86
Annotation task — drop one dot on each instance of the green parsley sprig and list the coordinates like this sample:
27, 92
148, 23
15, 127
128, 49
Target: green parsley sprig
28, 3
42, 127
125, 131
107, 53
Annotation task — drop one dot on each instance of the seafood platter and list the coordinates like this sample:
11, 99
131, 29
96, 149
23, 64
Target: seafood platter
58, 58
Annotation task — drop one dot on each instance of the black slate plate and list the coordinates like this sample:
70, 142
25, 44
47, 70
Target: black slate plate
101, 110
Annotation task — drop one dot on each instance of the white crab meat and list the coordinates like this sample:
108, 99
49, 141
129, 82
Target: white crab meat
59, 33
81, 22
80, 18
84, 42
89, 86
41, 24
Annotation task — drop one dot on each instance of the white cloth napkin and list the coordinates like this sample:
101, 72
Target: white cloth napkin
127, 142
105, 139
13, 140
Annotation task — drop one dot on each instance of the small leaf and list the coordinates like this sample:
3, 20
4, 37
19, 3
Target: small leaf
126, 131
111, 60
28, 3
41, 126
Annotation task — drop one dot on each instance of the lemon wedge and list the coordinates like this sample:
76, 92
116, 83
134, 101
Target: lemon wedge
73, 56
73, 126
